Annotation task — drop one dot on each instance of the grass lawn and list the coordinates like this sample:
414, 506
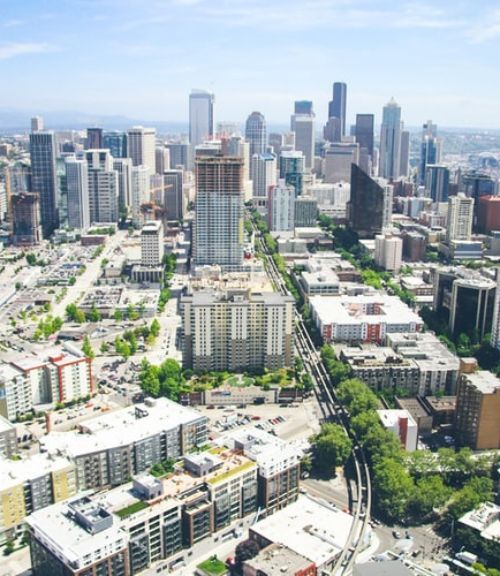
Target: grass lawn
132, 509
213, 567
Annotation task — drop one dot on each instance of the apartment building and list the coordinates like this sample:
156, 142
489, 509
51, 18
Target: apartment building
237, 330
8, 438
110, 449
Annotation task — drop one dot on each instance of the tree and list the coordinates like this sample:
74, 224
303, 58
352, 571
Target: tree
155, 328
87, 348
356, 396
94, 314
394, 488
331, 447
245, 551
31, 259
104, 347
117, 315
431, 493
364, 422
475, 492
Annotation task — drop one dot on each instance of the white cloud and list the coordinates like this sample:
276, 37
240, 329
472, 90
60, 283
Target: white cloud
486, 30
13, 23
14, 49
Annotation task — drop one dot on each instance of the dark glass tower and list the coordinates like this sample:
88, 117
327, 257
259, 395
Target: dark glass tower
337, 107
366, 206
43, 178
364, 132
303, 107
94, 139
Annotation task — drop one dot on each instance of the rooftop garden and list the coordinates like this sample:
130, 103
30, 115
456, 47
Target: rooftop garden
132, 509
213, 567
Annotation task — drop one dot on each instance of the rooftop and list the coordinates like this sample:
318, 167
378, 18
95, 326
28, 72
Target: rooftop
278, 560
391, 417
369, 308
5, 425
15, 472
485, 519
120, 428
484, 381
311, 529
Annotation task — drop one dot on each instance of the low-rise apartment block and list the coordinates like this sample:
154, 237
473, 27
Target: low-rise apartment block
362, 318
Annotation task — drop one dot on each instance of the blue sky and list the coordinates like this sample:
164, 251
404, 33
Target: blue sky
439, 59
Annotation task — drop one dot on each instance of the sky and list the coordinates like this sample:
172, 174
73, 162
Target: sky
140, 58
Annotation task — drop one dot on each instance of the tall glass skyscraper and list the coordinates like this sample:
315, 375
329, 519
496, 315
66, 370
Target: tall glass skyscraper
201, 116
255, 133
43, 178
292, 165
337, 108
390, 141
116, 142
364, 132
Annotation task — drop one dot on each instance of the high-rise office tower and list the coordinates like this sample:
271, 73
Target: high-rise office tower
116, 142
291, 169
141, 145
369, 208
263, 174
103, 187
179, 154
218, 237
43, 178
303, 127
281, 207
337, 109
364, 132
37, 124
25, 210
437, 179
255, 133
390, 141
430, 150
276, 142
338, 159
140, 190
77, 187
201, 116
303, 107
95, 139
475, 185
404, 156
460, 215
495, 327
124, 168
162, 156
174, 194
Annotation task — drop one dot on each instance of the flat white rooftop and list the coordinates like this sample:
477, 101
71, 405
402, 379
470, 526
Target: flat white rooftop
484, 381
353, 310
485, 519
120, 428
309, 528
15, 472
391, 418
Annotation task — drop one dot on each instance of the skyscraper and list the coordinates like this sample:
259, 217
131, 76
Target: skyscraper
263, 174
25, 210
390, 141
369, 205
404, 155
141, 144
292, 169
303, 107
255, 133
124, 168
94, 139
430, 149
460, 214
36, 124
474, 185
303, 126
174, 194
103, 186
201, 116
337, 108
218, 237
43, 178
281, 207
77, 186
140, 191
437, 179
364, 132
338, 159
116, 142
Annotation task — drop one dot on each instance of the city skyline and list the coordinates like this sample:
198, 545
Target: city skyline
440, 61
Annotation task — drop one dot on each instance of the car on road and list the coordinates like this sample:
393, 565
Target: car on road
396, 534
